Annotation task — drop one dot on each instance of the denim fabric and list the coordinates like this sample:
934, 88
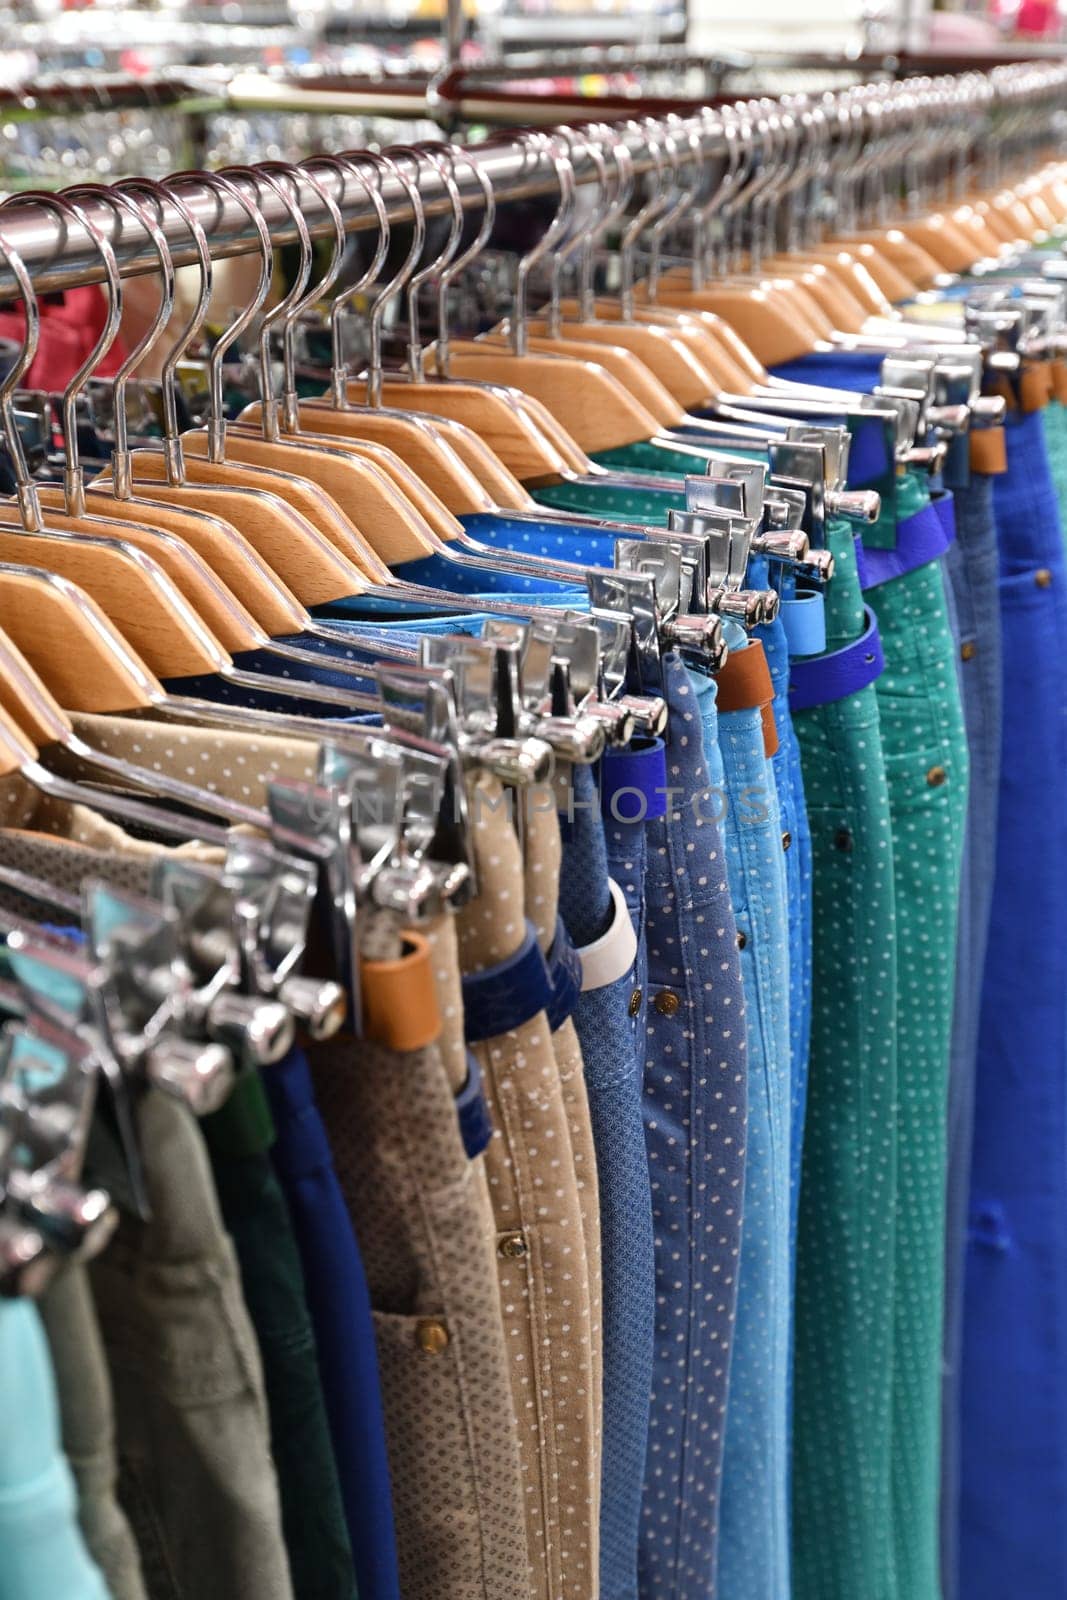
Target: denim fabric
796, 847
613, 1081
754, 1541
196, 1479
925, 746
42, 1553
844, 1281
1013, 1443
695, 1108
87, 1415
239, 1137
623, 504
1054, 421
339, 1303
971, 572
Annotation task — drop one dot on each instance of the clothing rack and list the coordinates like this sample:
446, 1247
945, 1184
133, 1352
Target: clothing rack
59, 254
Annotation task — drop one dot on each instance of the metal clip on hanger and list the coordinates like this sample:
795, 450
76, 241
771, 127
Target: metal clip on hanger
48, 1082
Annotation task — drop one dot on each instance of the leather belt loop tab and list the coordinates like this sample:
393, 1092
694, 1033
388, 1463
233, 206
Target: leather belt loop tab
989, 450
745, 683
399, 998
1035, 386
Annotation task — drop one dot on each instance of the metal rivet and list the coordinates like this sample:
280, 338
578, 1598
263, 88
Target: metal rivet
666, 1003
512, 1247
968, 650
635, 1003
1042, 577
787, 840
936, 777
431, 1336
742, 939
843, 839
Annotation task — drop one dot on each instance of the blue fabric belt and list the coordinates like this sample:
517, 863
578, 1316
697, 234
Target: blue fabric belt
921, 538
825, 678
633, 781
804, 621
475, 1123
503, 997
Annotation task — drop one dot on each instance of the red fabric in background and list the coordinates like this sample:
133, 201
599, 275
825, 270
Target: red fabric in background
69, 331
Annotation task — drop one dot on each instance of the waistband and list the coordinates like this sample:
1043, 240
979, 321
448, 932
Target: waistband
503, 997
745, 683
921, 538
822, 679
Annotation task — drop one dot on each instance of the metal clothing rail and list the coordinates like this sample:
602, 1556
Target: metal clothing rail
59, 253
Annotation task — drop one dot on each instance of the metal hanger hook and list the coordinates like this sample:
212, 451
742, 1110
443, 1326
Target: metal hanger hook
63, 206
25, 489
459, 263
223, 185
339, 366
121, 201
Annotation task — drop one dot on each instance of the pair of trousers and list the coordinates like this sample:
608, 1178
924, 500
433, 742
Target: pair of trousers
541, 1260
239, 1137
196, 1478
42, 1552
542, 860
843, 1359
925, 748
421, 1211
613, 1079
754, 1539
1013, 1420
86, 1410
339, 1306
971, 574
796, 844
694, 1113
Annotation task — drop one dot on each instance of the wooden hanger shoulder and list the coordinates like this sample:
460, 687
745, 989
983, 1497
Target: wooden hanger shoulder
663, 351
425, 449
905, 254
223, 614
226, 551
502, 487
941, 239
378, 513
699, 333
27, 700
130, 588
757, 316
414, 489
495, 417
274, 511
833, 296
590, 403
15, 748
71, 645
614, 356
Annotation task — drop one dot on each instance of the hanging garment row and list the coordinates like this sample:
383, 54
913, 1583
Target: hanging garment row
509, 1087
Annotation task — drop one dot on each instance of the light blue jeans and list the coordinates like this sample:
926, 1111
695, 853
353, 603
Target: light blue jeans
754, 1539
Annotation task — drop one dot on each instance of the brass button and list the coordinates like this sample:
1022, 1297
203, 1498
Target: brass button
512, 1247
968, 650
936, 777
843, 839
635, 1003
431, 1336
1042, 577
742, 939
787, 840
666, 1003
